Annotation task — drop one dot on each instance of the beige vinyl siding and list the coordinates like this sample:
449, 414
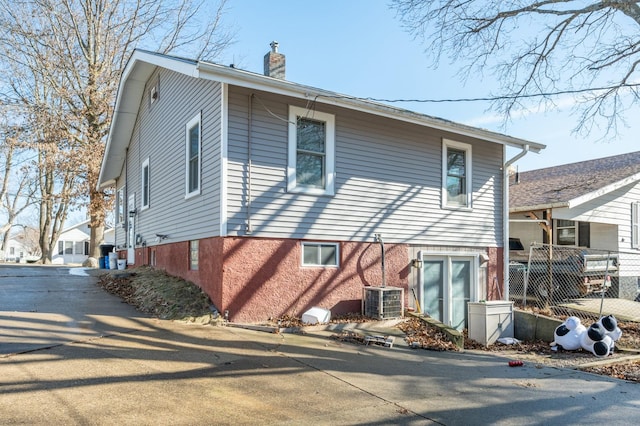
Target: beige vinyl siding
388, 181
160, 136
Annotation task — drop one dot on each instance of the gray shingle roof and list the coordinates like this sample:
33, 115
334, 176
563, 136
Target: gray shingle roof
561, 184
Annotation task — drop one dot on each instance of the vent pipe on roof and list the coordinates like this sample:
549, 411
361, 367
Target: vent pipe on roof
274, 62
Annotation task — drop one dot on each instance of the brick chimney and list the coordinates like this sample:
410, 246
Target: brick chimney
274, 62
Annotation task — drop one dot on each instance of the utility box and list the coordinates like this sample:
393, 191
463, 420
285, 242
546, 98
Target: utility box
383, 302
490, 320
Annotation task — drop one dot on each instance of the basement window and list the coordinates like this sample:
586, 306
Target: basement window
194, 253
320, 254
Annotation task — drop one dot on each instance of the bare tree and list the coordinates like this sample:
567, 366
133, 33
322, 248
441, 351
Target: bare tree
538, 50
77, 50
16, 191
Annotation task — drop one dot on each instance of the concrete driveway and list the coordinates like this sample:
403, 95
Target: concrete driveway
73, 354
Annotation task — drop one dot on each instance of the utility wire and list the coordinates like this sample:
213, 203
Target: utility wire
487, 98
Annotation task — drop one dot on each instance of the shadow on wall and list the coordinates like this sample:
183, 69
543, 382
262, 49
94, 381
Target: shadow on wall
263, 278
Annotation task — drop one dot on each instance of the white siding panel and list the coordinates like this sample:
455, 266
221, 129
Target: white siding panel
388, 180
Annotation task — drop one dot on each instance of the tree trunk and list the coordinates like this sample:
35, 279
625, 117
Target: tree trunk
96, 217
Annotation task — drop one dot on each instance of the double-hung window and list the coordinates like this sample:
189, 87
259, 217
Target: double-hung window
456, 175
311, 168
566, 232
145, 184
120, 206
193, 156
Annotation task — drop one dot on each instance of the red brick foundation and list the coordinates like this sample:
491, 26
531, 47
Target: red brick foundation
256, 279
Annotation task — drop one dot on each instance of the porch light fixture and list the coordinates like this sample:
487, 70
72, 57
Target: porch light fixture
133, 213
417, 263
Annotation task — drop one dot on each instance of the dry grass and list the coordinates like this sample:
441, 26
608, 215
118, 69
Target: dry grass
156, 293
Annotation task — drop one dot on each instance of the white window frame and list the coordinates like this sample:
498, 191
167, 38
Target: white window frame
120, 206
78, 247
330, 142
195, 121
635, 225
145, 192
446, 144
319, 264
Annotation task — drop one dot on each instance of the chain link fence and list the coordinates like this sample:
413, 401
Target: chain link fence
587, 283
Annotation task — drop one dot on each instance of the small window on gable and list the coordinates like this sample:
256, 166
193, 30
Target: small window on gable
456, 175
154, 94
311, 168
193, 156
635, 225
145, 182
320, 254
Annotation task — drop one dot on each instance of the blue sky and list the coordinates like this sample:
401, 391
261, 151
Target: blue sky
358, 48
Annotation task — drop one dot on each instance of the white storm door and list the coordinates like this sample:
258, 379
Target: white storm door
448, 284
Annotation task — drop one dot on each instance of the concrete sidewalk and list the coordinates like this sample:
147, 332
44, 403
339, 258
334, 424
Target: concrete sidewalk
128, 369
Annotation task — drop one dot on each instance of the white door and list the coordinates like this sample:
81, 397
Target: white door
131, 230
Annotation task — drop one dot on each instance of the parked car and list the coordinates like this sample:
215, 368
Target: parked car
553, 273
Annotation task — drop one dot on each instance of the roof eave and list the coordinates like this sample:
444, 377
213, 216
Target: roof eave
132, 82
259, 82
142, 64
604, 190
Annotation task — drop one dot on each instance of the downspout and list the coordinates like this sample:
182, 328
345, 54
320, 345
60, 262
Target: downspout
248, 227
505, 213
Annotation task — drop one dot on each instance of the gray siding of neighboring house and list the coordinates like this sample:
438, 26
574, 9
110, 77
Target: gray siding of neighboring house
388, 181
159, 135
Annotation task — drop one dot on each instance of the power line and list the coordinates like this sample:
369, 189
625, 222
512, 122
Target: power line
487, 98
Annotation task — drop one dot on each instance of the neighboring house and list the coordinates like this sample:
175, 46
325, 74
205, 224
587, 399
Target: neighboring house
73, 245
276, 197
16, 251
591, 204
